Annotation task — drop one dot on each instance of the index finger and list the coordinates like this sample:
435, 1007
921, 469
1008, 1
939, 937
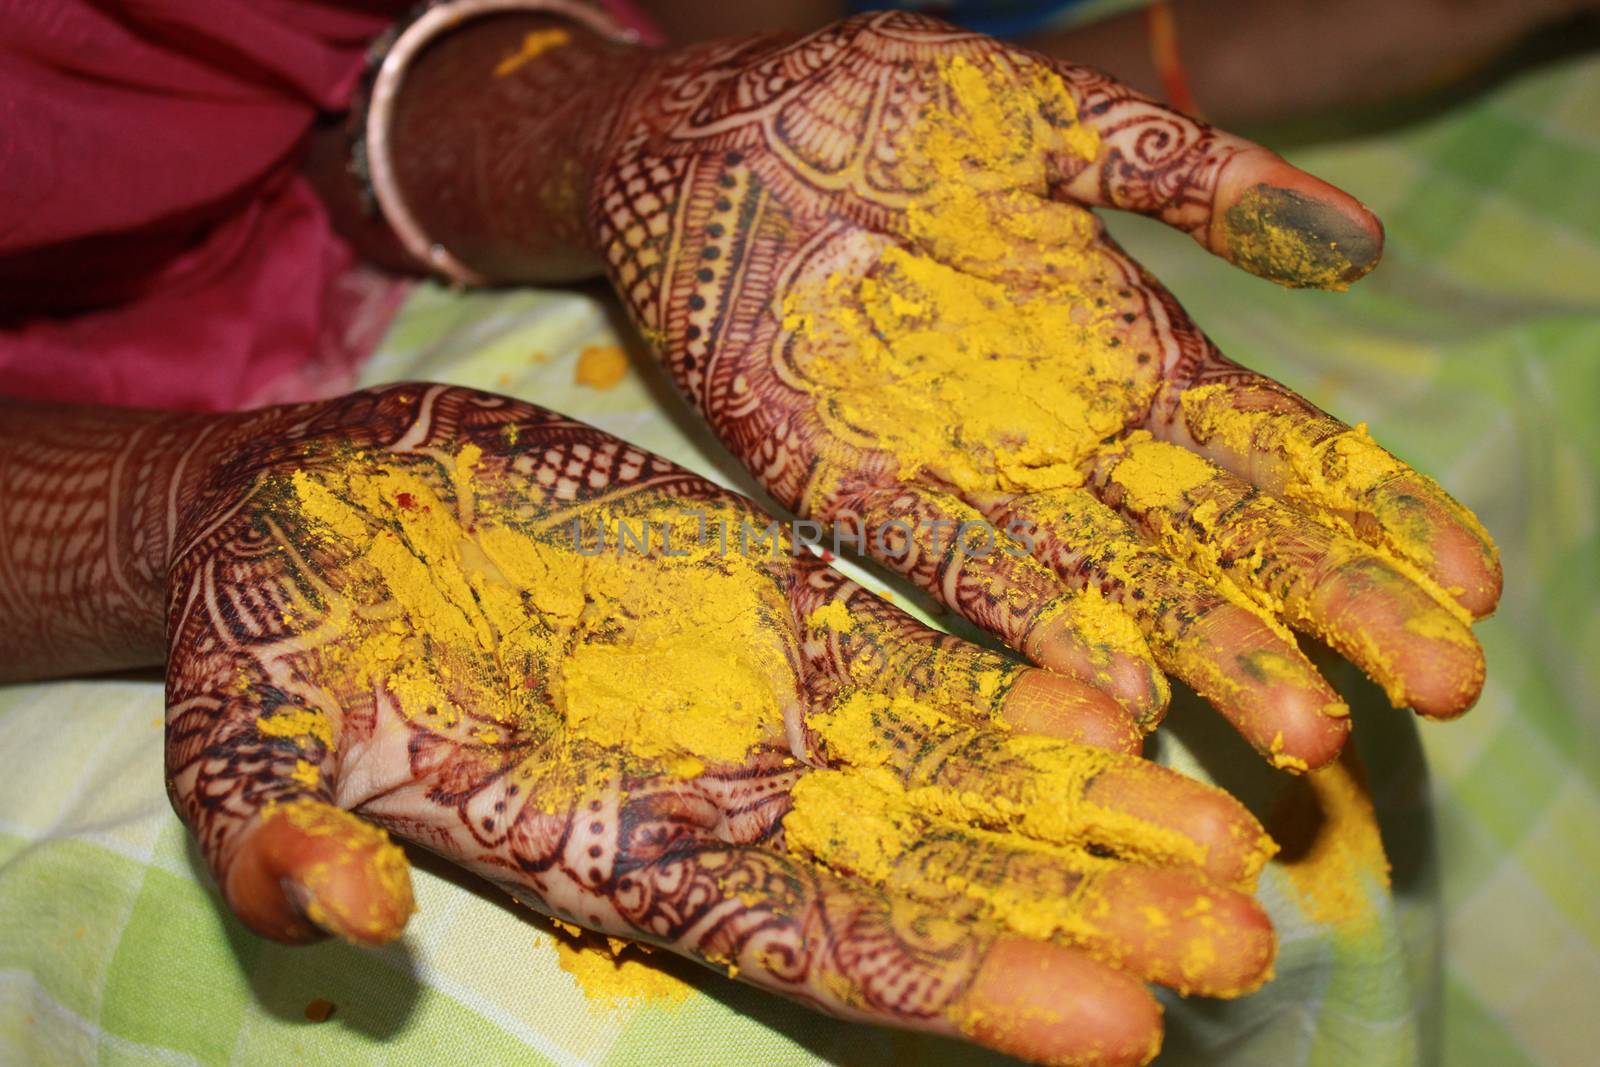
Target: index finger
1239, 200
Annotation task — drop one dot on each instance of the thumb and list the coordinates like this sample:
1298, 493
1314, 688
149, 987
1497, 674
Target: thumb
255, 783
306, 867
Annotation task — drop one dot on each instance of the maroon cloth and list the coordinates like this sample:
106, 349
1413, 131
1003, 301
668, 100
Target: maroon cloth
157, 247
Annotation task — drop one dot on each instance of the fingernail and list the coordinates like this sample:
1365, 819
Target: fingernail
1299, 241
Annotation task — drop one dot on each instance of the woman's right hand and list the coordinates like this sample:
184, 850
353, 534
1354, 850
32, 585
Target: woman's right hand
389, 611
870, 258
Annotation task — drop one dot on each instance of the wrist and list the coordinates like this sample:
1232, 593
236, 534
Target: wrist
88, 497
491, 138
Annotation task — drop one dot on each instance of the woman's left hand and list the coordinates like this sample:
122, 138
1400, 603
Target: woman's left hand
622, 694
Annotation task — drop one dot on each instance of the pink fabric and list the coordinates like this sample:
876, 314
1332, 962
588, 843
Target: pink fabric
629, 15
157, 247
269, 306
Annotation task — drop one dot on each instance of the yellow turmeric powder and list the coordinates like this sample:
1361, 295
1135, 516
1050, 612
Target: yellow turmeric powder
305, 772
527, 635
1017, 840
1333, 855
613, 974
1158, 475
1296, 240
601, 367
485, 629
1000, 306
1032, 785
1164, 479
833, 615
533, 46
1336, 471
298, 723
943, 322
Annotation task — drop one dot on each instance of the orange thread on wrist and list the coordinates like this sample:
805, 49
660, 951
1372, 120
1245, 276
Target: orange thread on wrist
1162, 27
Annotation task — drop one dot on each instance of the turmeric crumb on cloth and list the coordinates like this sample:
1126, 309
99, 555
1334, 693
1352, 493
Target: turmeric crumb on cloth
601, 367
616, 974
1332, 854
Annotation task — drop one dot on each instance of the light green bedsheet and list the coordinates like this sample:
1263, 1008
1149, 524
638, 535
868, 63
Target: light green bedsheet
1474, 352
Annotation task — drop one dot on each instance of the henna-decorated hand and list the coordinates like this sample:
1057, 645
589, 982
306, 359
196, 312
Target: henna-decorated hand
867, 257
392, 609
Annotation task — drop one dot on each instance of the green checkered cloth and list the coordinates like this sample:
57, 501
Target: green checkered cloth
1474, 352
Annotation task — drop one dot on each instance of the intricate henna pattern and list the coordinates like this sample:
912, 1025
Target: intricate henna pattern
84, 533
732, 171
742, 172
694, 865
1156, 161
742, 161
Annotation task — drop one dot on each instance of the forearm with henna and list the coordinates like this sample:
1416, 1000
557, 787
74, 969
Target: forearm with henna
497, 135
87, 504
97, 504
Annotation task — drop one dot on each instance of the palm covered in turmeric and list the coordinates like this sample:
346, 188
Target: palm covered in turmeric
615, 691
867, 257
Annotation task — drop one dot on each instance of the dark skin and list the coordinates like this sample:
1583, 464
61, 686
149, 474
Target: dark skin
190, 549
681, 175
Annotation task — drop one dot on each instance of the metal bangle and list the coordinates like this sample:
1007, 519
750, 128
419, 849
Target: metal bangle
371, 154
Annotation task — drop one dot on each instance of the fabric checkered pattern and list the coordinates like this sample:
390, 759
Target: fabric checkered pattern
1474, 352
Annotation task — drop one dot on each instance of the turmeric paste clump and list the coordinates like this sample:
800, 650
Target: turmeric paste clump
601, 367
300, 724
484, 626
988, 826
995, 303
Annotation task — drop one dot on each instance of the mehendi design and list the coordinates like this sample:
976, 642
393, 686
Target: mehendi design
86, 528
735, 175
1156, 161
743, 162
748, 164
694, 864
743, 175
